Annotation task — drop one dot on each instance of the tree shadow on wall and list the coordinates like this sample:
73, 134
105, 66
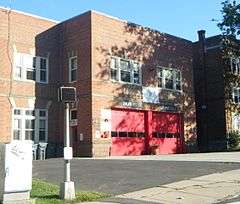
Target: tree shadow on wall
152, 49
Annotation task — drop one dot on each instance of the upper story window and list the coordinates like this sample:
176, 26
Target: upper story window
235, 65
236, 95
30, 68
169, 79
29, 124
236, 122
72, 66
125, 70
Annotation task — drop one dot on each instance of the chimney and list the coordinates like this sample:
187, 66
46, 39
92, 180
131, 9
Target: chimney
202, 40
201, 35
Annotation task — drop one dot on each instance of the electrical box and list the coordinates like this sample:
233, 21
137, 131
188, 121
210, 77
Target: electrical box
16, 165
67, 94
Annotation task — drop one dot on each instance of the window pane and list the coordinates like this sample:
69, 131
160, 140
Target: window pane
43, 63
29, 124
17, 124
124, 64
178, 85
132, 134
136, 66
141, 134
73, 114
31, 74
160, 82
168, 84
136, 79
34, 62
114, 134
43, 76
42, 113
30, 112
73, 63
42, 124
113, 63
125, 76
168, 74
16, 134
122, 134
73, 75
29, 135
18, 72
178, 75
114, 74
17, 112
42, 135
160, 73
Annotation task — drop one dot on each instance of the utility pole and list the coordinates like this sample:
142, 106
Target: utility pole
67, 188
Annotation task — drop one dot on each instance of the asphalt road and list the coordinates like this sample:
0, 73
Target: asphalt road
122, 176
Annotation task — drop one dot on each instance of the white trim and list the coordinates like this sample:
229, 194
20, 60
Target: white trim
174, 78
72, 122
36, 119
29, 14
118, 68
70, 69
37, 68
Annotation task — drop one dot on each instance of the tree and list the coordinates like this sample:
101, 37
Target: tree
230, 28
230, 23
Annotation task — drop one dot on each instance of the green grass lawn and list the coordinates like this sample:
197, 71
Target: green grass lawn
46, 193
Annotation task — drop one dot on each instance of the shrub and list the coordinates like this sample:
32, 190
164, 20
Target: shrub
233, 139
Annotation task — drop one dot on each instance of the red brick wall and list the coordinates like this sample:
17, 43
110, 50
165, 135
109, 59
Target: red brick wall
118, 38
68, 39
17, 32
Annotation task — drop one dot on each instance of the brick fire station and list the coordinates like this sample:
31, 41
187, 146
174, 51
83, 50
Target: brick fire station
134, 85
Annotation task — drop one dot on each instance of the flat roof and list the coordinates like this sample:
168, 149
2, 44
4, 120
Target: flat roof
28, 14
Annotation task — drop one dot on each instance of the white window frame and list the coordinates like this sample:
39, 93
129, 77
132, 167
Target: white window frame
118, 69
174, 71
23, 117
70, 69
236, 122
19, 64
237, 89
73, 122
38, 73
235, 70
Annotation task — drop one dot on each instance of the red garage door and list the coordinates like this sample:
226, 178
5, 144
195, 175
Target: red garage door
166, 135
128, 132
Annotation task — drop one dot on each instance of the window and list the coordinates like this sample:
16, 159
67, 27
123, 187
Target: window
73, 114
125, 70
236, 122
30, 124
114, 69
30, 68
128, 134
169, 79
72, 69
42, 127
235, 65
165, 135
43, 69
236, 95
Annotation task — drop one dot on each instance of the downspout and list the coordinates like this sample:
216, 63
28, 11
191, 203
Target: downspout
204, 105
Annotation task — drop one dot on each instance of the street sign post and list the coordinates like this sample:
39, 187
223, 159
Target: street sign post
67, 188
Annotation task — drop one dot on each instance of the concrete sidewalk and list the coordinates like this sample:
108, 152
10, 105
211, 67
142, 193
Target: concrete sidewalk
213, 188
205, 157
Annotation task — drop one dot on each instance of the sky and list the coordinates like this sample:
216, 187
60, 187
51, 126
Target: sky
182, 18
